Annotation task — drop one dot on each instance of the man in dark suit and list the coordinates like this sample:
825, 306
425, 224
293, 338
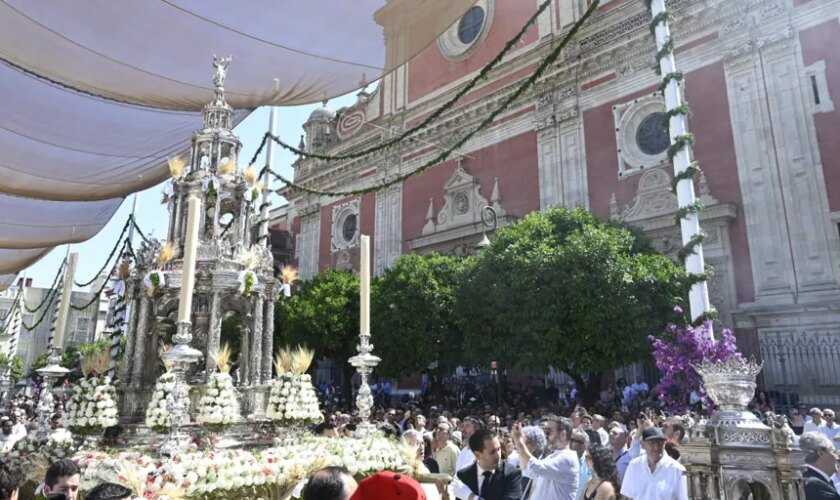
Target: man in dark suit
489, 477
819, 466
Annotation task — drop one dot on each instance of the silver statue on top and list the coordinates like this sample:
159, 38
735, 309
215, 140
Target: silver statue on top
221, 64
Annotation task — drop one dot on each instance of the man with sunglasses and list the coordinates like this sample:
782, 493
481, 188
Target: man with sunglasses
556, 476
820, 464
446, 453
654, 475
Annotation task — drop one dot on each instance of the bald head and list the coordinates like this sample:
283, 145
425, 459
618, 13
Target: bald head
330, 483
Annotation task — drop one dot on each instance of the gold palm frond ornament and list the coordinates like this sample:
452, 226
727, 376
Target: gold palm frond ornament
289, 274
250, 175
283, 361
223, 357
96, 364
229, 167
250, 259
167, 253
302, 359
124, 271
177, 165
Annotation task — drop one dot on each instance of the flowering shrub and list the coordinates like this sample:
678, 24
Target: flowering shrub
677, 352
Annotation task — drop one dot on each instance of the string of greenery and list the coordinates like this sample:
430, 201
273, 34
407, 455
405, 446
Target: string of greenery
44, 312
482, 75
110, 256
546, 63
52, 289
98, 294
680, 143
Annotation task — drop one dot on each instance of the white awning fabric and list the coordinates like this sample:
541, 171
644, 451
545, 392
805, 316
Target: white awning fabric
98, 94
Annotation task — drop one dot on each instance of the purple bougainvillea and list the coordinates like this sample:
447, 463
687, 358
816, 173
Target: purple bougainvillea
675, 353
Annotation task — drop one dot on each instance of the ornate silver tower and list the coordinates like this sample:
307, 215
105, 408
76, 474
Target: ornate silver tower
228, 271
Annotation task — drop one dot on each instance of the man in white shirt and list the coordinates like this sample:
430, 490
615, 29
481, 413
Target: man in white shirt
830, 428
598, 422
815, 422
655, 475
466, 457
556, 476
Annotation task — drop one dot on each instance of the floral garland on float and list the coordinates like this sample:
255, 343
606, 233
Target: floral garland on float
92, 407
218, 408
292, 400
269, 473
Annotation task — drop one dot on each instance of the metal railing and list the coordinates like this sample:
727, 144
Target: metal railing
802, 367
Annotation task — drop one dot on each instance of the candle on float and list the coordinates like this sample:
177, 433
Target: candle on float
190, 251
364, 285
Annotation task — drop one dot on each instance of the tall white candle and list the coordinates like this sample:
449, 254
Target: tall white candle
364, 285
190, 251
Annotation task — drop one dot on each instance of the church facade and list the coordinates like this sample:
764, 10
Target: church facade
761, 76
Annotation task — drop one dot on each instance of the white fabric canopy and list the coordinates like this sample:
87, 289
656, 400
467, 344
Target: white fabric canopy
97, 94
6, 280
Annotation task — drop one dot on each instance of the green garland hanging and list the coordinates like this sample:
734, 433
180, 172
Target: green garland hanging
482, 75
546, 63
681, 142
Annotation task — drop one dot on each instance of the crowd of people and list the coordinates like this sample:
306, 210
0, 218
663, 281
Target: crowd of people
536, 443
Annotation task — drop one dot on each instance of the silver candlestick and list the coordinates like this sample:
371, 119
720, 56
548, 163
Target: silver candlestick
364, 362
177, 403
46, 402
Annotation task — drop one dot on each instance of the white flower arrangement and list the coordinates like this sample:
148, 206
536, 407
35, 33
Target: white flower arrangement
292, 400
218, 407
203, 473
92, 407
157, 414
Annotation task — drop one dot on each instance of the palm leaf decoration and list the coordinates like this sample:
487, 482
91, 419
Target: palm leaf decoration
302, 360
288, 274
167, 253
283, 361
250, 175
228, 168
96, 364
222, 358
177, 166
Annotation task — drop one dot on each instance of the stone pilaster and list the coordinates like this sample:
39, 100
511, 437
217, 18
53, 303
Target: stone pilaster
256, 342
244, 357
141, 335
130, 333
215, 332
768, 237
387, 245
268, 338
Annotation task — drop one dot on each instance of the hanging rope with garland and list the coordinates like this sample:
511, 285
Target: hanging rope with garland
54, 293
482, 75
53, 288
98, 294
546, 63
681, 144
110, 255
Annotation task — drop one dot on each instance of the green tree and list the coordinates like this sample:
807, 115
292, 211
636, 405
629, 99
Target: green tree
40, 362
566, 289
415, 323
17, 372
324, 315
